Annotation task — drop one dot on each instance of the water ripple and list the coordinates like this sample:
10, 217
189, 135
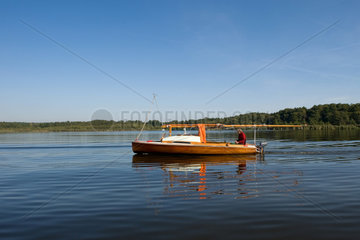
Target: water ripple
82, 189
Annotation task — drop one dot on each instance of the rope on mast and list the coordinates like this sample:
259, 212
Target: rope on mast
147, 117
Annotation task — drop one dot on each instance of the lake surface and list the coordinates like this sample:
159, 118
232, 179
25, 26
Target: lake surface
91, 186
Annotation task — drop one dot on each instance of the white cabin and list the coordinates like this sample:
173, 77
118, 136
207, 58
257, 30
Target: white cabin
182, 138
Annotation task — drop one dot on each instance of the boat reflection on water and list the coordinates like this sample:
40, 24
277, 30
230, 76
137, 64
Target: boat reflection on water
203, 176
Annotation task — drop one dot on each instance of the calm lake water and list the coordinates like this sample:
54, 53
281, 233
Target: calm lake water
91, 186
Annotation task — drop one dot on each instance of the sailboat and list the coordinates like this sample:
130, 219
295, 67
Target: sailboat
197, 144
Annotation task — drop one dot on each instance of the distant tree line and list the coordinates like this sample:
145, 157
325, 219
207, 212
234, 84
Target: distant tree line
77, 126
318, 115
326, 114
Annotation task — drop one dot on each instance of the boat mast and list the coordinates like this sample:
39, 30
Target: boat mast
254, 134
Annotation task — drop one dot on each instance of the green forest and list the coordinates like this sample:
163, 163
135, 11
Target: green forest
316, 117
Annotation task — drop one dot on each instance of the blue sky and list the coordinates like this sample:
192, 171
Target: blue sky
186, 52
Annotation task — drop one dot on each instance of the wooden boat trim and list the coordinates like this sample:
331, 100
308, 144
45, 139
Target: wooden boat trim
218, 125
214, 144
186, 148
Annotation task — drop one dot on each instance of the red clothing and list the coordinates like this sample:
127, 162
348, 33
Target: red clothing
241, 138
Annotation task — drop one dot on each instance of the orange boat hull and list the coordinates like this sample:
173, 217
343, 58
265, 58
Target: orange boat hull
187, 148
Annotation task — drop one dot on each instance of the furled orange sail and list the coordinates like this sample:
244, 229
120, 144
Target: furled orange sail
202, 132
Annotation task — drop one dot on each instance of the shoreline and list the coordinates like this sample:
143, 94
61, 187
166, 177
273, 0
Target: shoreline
92, 129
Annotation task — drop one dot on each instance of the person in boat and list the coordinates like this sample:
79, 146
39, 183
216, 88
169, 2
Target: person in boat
241, 137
